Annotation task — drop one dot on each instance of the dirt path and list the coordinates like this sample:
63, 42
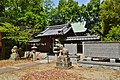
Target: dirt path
16, 65
82, 73
5, 63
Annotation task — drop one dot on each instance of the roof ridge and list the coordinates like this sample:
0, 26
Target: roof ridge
57, 26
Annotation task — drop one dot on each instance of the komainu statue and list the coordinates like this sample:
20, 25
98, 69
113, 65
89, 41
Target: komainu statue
62, 55
14, 55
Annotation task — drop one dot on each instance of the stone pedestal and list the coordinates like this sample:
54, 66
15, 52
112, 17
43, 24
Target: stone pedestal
63, 62
14, 56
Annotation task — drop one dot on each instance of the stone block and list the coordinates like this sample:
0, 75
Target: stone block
112, 60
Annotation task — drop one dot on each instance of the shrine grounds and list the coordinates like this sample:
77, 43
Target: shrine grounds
47, 71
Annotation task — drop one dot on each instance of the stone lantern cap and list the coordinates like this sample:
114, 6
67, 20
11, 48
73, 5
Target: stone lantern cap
56, 40
34, 47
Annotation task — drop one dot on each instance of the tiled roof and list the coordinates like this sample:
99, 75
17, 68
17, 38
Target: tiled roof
55, 30
34, 40
63, 29
80, 38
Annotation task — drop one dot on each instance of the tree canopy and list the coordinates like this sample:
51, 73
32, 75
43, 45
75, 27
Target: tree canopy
109, 15
21, 20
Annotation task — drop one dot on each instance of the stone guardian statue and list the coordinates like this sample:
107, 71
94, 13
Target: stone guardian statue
14, 55
61, 54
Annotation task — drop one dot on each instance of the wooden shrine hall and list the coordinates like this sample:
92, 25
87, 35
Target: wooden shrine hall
68, 34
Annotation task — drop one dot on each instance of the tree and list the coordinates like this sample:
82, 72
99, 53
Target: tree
83, 12
48, 5
114, 34
26, 13
34, 16
15, 34
2, 8
64, 12
23, 19
93, 8
109, 15
53, 17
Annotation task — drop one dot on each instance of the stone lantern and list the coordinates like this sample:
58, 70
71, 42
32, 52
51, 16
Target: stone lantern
34, 48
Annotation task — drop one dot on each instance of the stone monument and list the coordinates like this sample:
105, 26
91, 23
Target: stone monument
14, 55
62, 56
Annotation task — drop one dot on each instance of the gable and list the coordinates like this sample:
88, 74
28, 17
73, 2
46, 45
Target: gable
79, 27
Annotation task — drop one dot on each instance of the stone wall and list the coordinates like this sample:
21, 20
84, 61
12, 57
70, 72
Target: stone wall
72, 48
101, 49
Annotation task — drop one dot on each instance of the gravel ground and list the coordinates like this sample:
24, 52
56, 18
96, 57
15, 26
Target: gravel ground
5, 63
75, 73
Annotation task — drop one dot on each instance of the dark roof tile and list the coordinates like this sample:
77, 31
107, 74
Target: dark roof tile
55, 30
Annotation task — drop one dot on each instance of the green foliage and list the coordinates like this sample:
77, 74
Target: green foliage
114, 34
2, 9
14, 33
48, 5
109, 15
33, 14
83, 12
93, 8
66, 10
21, 20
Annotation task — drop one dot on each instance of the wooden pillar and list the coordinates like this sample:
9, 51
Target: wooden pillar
1, 53
0, 40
